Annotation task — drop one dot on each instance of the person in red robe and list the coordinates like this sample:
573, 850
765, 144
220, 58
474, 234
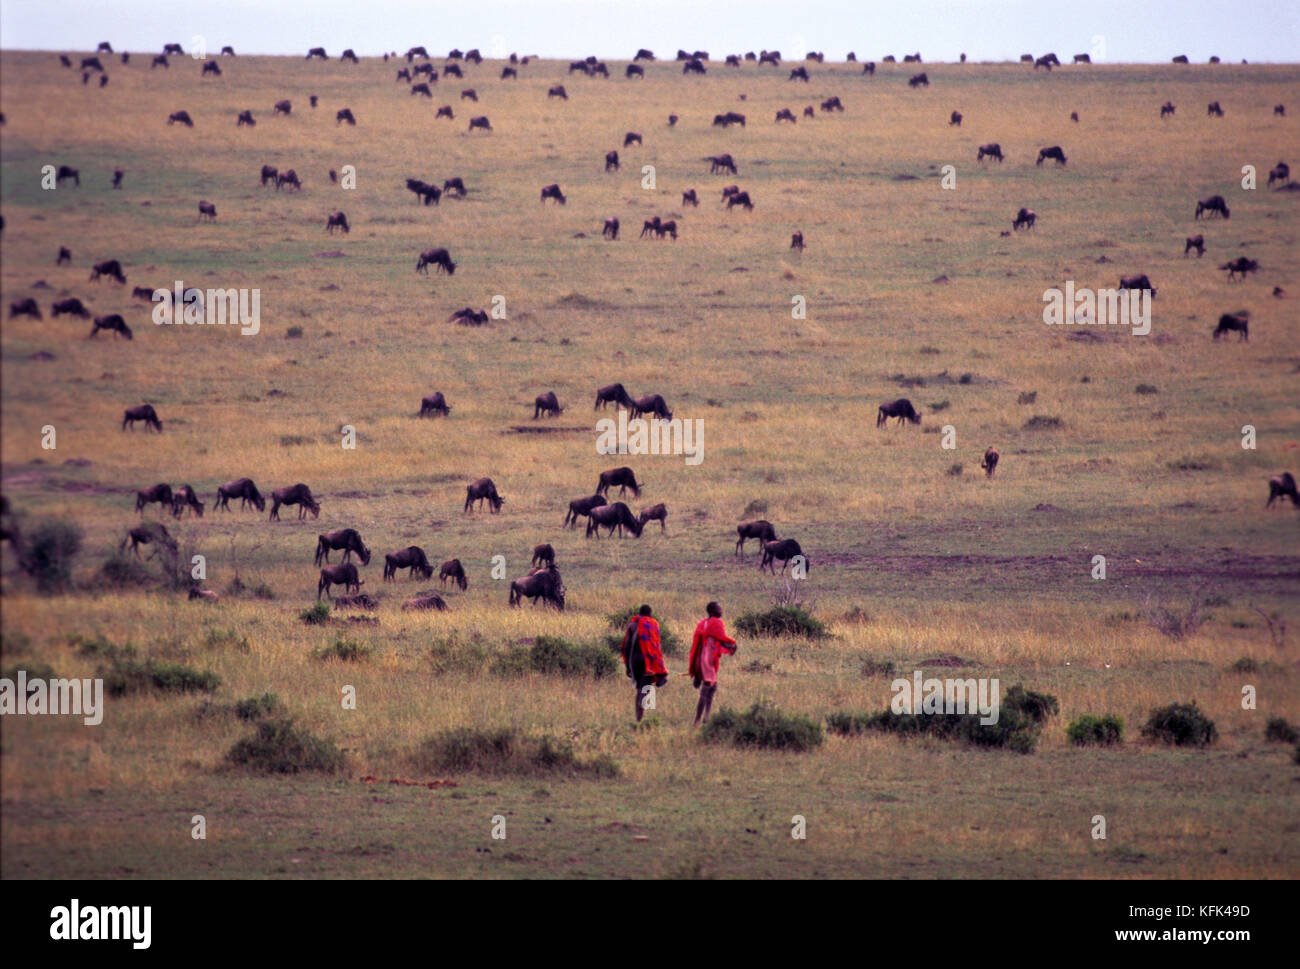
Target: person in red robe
708, 646
643, 658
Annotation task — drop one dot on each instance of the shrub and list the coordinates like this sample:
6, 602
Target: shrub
504, 750
668, 640
99, 646
226, 639
1244, 664
128, 675
451, 655
763, 725
123, 570
36, 670
1147, 390
1040, 423
47, 551
1102, 731
1277, 729
781, 621
1015, 730
317, 615
1027, 397
873, 667
347, 650
1037, 706
955, 470
551, 654
1181, 724
293, 333
1193, 463
280, 747
257, 707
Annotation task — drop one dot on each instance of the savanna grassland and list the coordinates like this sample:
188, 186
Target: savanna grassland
911, 290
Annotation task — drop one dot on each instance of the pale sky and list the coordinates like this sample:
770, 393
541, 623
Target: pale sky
1126, 30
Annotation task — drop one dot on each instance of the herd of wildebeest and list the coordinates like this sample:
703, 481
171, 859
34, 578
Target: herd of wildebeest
543, 581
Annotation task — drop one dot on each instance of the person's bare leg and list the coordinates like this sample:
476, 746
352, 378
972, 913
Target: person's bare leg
637, 701
708, 706
701, 704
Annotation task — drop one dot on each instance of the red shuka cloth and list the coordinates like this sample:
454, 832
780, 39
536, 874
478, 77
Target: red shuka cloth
647, 637
707, 646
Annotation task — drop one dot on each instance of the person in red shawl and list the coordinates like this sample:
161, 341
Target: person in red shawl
707, 648
642, 657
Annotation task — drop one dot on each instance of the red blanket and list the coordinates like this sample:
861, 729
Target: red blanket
647, 641
707, 646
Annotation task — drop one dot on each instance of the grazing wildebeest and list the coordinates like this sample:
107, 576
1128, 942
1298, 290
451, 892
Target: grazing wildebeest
480, 122
785, 114
114, 323
694, 66
434, 404
413, 558
1197, 243
317, 52
347, 539
1280, 173
644, 55
65, 255
901, 408
1240, 266
456, 185
623, 477
211, 67
1082, 59
246, 118
208, 210
337, 221
799, 74
543, 555
422, 88
451, 70
403, 74
142, 412
1045, 62
358, 600
180, 117
469, 317
990, 462
227, 51
283, 107
869, 68
954, 119
1233, 322
183, 498
436, 257
269, 174
244, 490
611, 161
299, 495
911, 58
452, 569
344, 114
160, 494
117, 177
63, 59
721, 163
616, 516
1167, 109
469, 94
66, 172
599, 68
611, 229
1282, 486
739, 198
1025, 218
993, 150
630, 138
613, 394
424, 192
772, 57
71, 306
1213, 110
91, 64
634, 70
509, 72
149, 533
655, 513
651, 404
796, 241
104, 48
25, 307
580, 67
425, 602
1074, 116
1052, 152
544, 584
651, 226
546, 404
552, 192
160, 61
344, 575
784, 549
1209, 206
288, 178
349, 55
581, 507
1279, 110
483, 490
109, 267
557, 92
728, 119
1139, 281
834, 104
919, 80
665, 228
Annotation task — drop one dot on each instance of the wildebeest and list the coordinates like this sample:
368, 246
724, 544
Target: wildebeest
644, 55
114, 323
344, 114
183, 498
772, 57
110, 268
1167, 109
721, 163
799, 74
1181, 59
579, 67
1045, 62
901, 408
759, 529
655, 513
66, 172
91, 64
25, 307
1209, 206
1279, 110
246, 118
160, 494
690, 198
784, 549
211, 67
283, 107
651, 404
412, 557
434, 404
104, 47
651, 226
317, 52
173, 49
552, 192
227, 50
356, 600
631, 137
739, 198
624, 477
1025, 218
613, 394
1053, 152
244, 490
403, 74
634, 70
337, 221
344, 575
1233, 322
469, 94
452, 569
180, 117
616, 516
834, 104
990, 462
117, 178
349, 55
142, 412
208, 210
1279, 173
509, 72
557, 92
599, 68
694, 66
480, 122
299, 495
424, 192
483, 490
160, 61
666, 228
269, 174
993, 150
581, 507
796, 241
468, 316
611, 161
288, 178
785, 114
546, 403
346, 539
869, 68
422, 88
1240, 266
436, 257
1213, 110
1195, 242
71, 306
919, 80
729, 118
1074, 116
543, 555
611, 229
954, 119
154, 533
65, 255
1138, 281
451, 70
425, 602
544, 584
1082, 59
1282, 486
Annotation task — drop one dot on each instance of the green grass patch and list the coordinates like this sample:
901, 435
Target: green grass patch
763, 726
280, 747
504, 750
782, 621
1093, 730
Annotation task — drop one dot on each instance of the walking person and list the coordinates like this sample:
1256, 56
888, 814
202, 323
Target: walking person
642, 657
707, 648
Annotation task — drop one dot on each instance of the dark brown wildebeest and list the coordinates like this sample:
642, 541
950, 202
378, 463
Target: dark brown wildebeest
808, 112
509, 72
425, 602
728, 119
954, 119
142, 412
318, 52
543, 555
644, 55
483, 490
611, 229
1026, 58
1209, 206
992, 149
1025, 218
611, 161
469, 94
672, 120
1052, 152
208, 210
415, 52
359, 600
403, 74
1240, 266
1282, 486
630, 138
655, 513
103, 80
796, 241
344, 114
25, 307
424, 192
114, 323
104, 48
557, 92
760, 529
623, 477
613, 394
469, 317
299, 495
422, 88
452, 569
1074, 116
173, 49
474, 56
665, 228
413, 558
71, 306
434, 404
66, 172
579, 67
91, 64
919, 80
180, 117
651, 404
581, 507
65, 255
1167, 110
772, 57
694, 66
160, 494
288, 178
784, 549
546, 404
1043, 61
227, 51
740, 198
244, 490
110, 268
246, 118
347, 539
63, 59
616, 516
1197, 243
455, 185
832, 104
270, 174
150, 533
599, 68
785, 114
1213, 110
799, 74
1082, 59
160, 61
990, 462
211, 67
349, 55
1279, 110
901, 408
283, 107
1234, 323
869, 68
651, 226
436, 257
117, 177
552, 192
183, 498
911, 58
634, 70
344, 575
480, 122
1139, 281
451, 70
1280, 173
337, 221
721, 163
544, 584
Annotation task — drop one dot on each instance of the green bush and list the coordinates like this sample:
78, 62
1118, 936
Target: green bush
1041, 423
762, 725
1037, 706
98, 645
1181, 724
450, 655
1277, 729
551, 654
874, 667
504, 750
122, 570
781, 621
1101, 731
668, 640
47, 551
280, 747
36, 670
257, 707
317, 615
128, 675
347, 650
226, 639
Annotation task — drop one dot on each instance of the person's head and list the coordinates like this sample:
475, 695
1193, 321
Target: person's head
713, 609
645, 610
